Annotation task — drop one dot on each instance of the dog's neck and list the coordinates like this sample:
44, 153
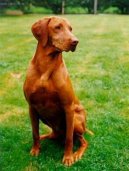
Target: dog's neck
47, 58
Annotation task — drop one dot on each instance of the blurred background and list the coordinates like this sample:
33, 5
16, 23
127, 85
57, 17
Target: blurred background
20, 7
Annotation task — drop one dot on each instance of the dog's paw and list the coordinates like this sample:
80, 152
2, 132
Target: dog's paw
68, 160
77, 156
35, 151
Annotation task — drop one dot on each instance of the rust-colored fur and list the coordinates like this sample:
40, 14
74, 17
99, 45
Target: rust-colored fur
49, 91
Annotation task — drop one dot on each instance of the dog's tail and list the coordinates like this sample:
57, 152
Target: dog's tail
89, 131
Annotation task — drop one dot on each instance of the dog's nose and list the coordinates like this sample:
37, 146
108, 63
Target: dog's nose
74, 42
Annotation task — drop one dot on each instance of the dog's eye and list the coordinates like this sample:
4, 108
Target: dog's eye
70, 28
58, 27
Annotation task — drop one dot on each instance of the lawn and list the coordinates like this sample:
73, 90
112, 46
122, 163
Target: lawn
99, 70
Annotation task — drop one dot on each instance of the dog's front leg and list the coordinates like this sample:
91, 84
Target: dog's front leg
35, 132
68, 154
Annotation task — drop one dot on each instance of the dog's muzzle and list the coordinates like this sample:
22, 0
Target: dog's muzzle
73, 45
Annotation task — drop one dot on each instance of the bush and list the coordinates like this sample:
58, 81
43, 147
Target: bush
13, 12
39, 10
76, 10
112, 10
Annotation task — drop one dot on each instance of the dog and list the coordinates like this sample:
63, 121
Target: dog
48, 89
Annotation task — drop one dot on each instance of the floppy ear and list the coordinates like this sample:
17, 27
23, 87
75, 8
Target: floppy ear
40, 30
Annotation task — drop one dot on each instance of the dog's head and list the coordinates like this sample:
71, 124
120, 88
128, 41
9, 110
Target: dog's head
55, 31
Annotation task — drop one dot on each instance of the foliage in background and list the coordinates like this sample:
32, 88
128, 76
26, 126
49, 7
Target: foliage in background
72, 6
123, 5
112, 10
76, 10
39, 10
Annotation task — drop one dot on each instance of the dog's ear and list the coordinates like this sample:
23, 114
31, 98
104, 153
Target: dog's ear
40, 30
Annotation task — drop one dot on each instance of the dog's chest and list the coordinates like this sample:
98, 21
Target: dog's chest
47, 104
44, 95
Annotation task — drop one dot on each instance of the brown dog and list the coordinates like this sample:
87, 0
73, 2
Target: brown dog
49, 91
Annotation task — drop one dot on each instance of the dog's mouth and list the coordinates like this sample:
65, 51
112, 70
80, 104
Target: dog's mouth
71, 48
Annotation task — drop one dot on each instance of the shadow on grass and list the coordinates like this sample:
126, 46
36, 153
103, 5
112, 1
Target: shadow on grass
16, 144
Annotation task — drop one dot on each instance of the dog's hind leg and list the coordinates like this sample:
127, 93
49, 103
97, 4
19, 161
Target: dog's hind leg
83, 146
51, 135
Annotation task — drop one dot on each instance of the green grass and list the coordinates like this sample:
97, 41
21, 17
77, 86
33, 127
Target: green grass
99, 70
